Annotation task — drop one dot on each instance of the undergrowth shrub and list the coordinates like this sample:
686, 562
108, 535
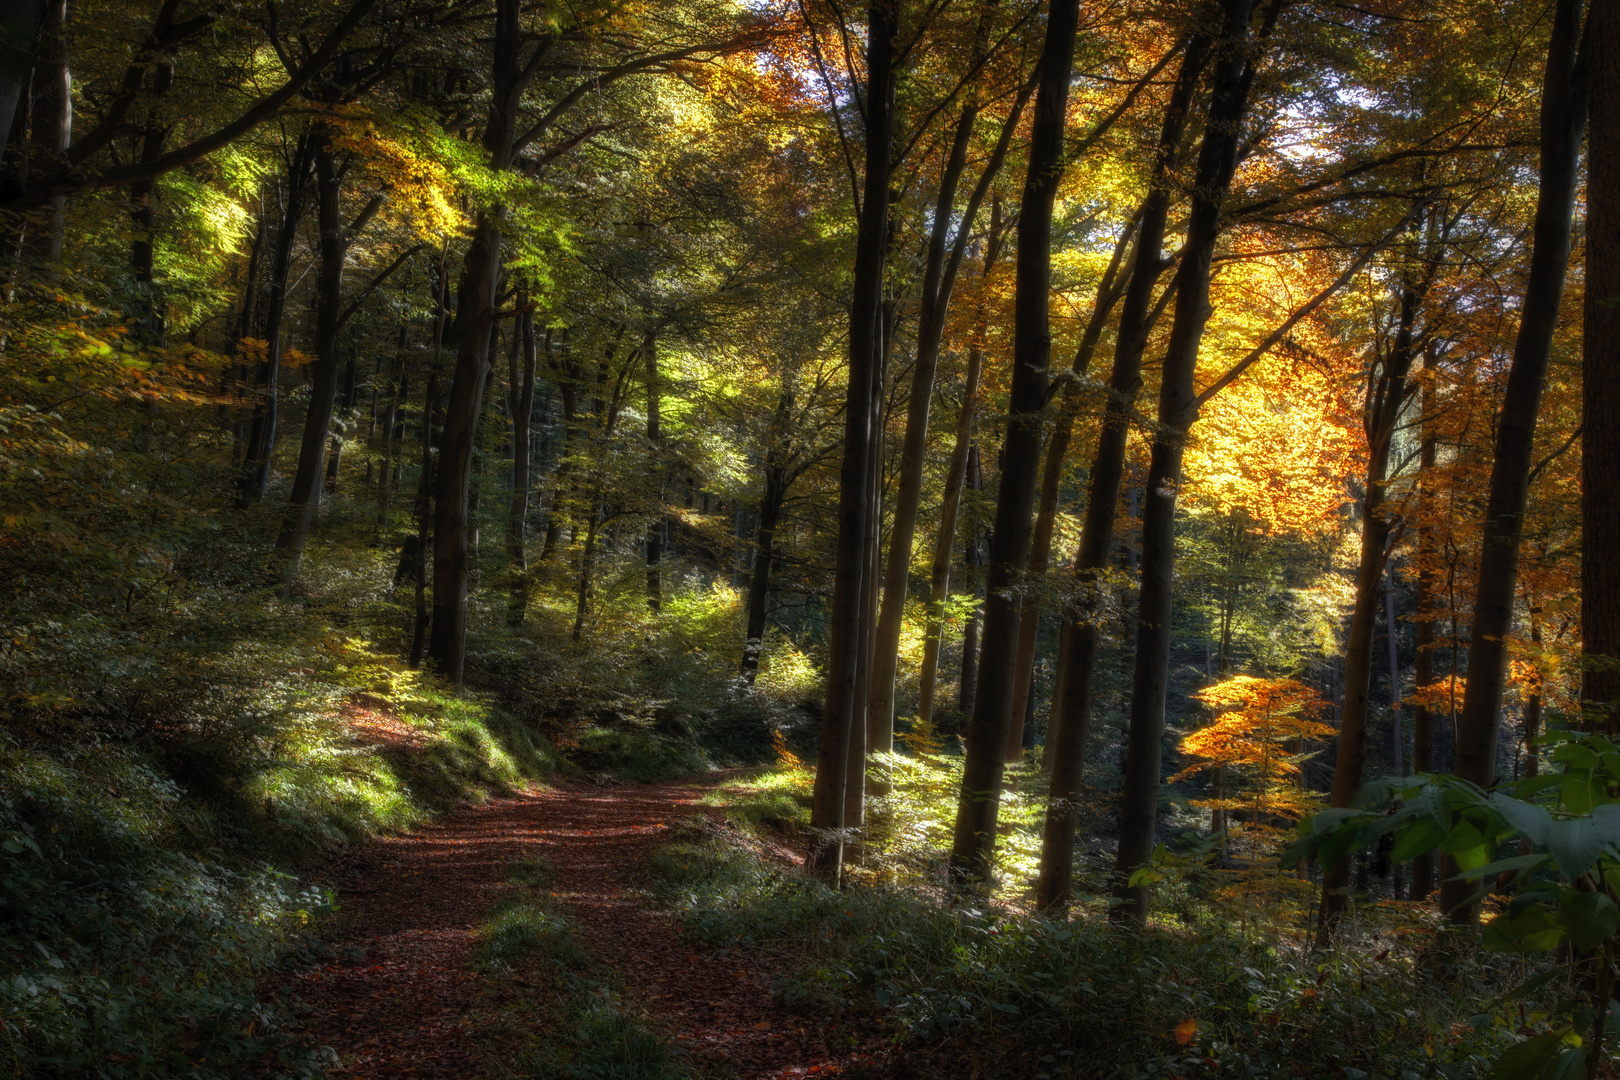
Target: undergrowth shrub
1012, 995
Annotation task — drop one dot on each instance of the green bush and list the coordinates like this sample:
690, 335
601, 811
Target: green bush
1019, 996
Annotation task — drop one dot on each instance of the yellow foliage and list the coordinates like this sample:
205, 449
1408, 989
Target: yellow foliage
1263, 716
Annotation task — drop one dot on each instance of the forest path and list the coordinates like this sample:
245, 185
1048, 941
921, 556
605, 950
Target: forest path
402, 1000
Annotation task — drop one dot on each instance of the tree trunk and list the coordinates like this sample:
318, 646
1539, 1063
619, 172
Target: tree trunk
52, 133
261, 443
1081, 640
1423, 624
520, 388
19, 29
955, 476
424, 517
968, 685
1386, 398
759, 584
1057, 452
149, 324
854, 505
655, 531
973, 847
1139, 793
939, 279
1600, 384
1563, 120
334, 248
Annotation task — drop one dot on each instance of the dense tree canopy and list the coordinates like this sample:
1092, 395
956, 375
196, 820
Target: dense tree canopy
1102, 411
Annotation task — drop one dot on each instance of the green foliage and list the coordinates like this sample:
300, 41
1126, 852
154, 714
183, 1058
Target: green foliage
1563, 893
1012, 996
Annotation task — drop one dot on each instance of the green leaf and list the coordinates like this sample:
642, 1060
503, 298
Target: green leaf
1576, 791
1592, 919
1467, 846
1529, 1058
1525, 988
1517, 863
1569, 1065
1531, 821
1576, 843
1536, 929
1424, 834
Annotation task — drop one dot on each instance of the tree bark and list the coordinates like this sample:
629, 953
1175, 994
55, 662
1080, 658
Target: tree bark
1600, 384
520, 389
1139, 794
424, 518
261, 443
973, 846
142, 196
955, 475
1386, 398
655, 437
1057, 452
1563, 120
1081, 640
854, 503
19, 30
759, 583
939, 279
968, 684
52, 132
1423, 623
334, 250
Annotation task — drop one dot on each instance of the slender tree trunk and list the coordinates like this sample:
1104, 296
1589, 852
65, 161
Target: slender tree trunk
1386, 399
587, 568
520, 383
424, 519
1082, 638
655, 531
1423, 624
52, 131
1057, 452
306, 488
261, 443
973, 846
759, 584
1563, 120
955, 475
142, 195
1600, 384
1397, 751
854, 505
1139, 794
968, 685
939, 279
19, 29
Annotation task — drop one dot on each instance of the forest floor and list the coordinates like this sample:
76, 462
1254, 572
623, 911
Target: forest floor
402, 997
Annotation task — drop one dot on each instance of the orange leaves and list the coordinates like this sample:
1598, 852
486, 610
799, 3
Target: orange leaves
1262, 719
1185, 1031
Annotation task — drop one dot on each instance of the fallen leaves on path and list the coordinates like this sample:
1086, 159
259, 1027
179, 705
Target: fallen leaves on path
404, 1001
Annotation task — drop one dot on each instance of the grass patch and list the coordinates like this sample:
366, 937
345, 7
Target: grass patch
577, 1027
1006, 995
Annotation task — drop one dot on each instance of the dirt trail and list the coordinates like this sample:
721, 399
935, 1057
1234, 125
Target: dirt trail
405, 1002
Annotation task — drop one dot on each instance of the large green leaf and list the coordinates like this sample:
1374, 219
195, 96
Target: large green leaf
1576, 843
1502, 866
1591, 919
1424, 834
1529, 1058
1530, 820
1536, 929
1466, 846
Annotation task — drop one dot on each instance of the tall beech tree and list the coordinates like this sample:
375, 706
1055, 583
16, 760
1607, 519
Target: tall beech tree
1564, 102
973, 844
1232, 79
1081, 640
854, 477
1600, 380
